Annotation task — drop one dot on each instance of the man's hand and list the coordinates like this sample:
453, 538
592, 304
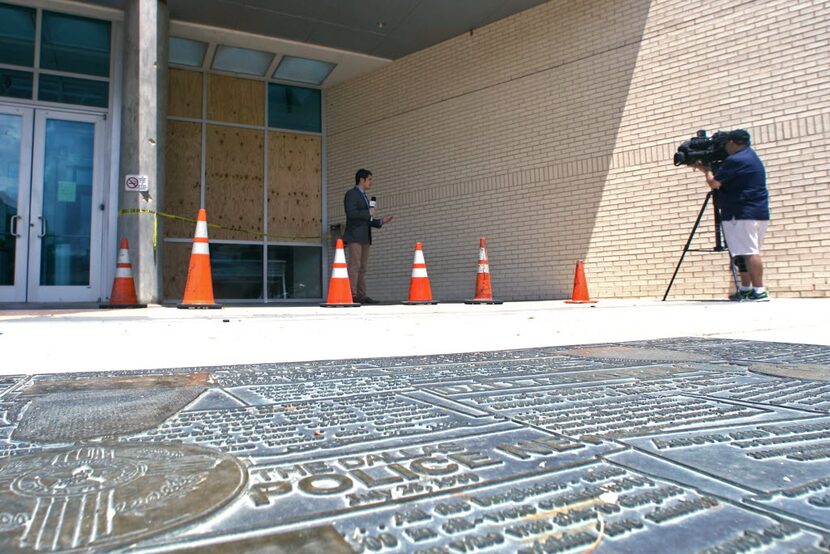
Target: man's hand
386, 219
707, 173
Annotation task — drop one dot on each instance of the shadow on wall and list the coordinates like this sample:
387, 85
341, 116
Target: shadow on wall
506, 133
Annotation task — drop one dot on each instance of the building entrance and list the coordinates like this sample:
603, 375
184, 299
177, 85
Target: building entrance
51, 205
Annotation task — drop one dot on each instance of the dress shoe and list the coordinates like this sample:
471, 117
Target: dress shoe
367, 300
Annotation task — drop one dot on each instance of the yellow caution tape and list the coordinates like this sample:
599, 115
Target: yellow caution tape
260, 234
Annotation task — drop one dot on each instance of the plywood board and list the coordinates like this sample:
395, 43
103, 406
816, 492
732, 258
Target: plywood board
183, 170
236, 100
184, 93
294, 187
234, 180
176, 260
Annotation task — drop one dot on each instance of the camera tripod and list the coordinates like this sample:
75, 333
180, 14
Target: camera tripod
720, 244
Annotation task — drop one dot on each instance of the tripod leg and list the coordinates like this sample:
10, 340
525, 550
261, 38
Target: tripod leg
688, 243
718, 224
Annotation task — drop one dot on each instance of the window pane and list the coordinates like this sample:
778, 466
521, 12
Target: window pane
68, 90
11, 129
17, 84
17, 35
303, 70
67, 203
75, 44
242, 60
187, 52
293, 108
294, 272
237, 271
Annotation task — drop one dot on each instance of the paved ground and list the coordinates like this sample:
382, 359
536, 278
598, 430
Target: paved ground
529, 427
96, 340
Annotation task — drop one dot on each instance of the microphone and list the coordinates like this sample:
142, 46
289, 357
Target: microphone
373, 201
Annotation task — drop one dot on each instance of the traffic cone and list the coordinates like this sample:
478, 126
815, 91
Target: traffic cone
419, 290
123, 287
198, 292
580, 292
340, 293
484, 290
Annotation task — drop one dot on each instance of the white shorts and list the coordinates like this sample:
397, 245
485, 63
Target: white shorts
744, 237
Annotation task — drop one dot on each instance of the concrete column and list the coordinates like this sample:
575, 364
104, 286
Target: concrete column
143, 137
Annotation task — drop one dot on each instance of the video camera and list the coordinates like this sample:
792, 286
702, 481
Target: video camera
708, 151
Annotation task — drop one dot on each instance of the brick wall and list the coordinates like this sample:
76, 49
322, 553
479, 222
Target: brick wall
551, 133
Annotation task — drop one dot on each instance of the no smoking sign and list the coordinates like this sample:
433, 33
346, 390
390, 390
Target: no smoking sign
136, 183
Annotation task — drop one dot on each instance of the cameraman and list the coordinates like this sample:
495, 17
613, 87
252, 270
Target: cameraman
743, 200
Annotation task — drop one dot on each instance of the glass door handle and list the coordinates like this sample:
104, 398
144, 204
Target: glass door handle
42, 227
13, 225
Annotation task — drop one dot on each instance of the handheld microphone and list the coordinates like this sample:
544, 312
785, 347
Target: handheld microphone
373, 201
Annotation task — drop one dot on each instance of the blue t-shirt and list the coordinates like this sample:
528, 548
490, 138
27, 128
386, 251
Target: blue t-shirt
743, 192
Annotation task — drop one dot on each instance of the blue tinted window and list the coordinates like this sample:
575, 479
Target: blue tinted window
17, 84
68, 90
187, 52
294, 108
17, 35
67, 203
11, 129
303, 70
242, 60
75, 44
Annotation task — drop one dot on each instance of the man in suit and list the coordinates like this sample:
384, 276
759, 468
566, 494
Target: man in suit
360, 218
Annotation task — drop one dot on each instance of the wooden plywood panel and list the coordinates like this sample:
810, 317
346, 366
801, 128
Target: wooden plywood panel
294, 186
176, 260
183, 171
234, 177
236, 100
184, 93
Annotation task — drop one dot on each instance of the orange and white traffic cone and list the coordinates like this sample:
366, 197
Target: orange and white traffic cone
580, 292
198, 292
123, 287
419, 290
340, 293
484, 290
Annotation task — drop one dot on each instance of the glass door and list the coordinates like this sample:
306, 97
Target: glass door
66, 208
50, 205
15, 184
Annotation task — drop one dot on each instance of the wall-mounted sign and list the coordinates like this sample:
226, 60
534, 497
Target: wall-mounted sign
136, 183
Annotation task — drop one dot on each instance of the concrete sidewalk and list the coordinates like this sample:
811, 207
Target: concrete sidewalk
65, 340
623, 427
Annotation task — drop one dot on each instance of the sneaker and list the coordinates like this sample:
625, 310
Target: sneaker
741, 295
759, 296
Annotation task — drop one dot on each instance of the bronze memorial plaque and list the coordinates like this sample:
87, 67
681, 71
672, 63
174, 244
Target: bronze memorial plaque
99, 496
672, 445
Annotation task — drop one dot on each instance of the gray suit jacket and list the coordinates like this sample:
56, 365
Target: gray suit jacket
358, 221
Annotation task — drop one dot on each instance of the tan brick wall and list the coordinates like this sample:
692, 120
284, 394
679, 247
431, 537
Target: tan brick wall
551, 133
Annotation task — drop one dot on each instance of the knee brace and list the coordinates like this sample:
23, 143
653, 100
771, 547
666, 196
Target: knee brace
740, 262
